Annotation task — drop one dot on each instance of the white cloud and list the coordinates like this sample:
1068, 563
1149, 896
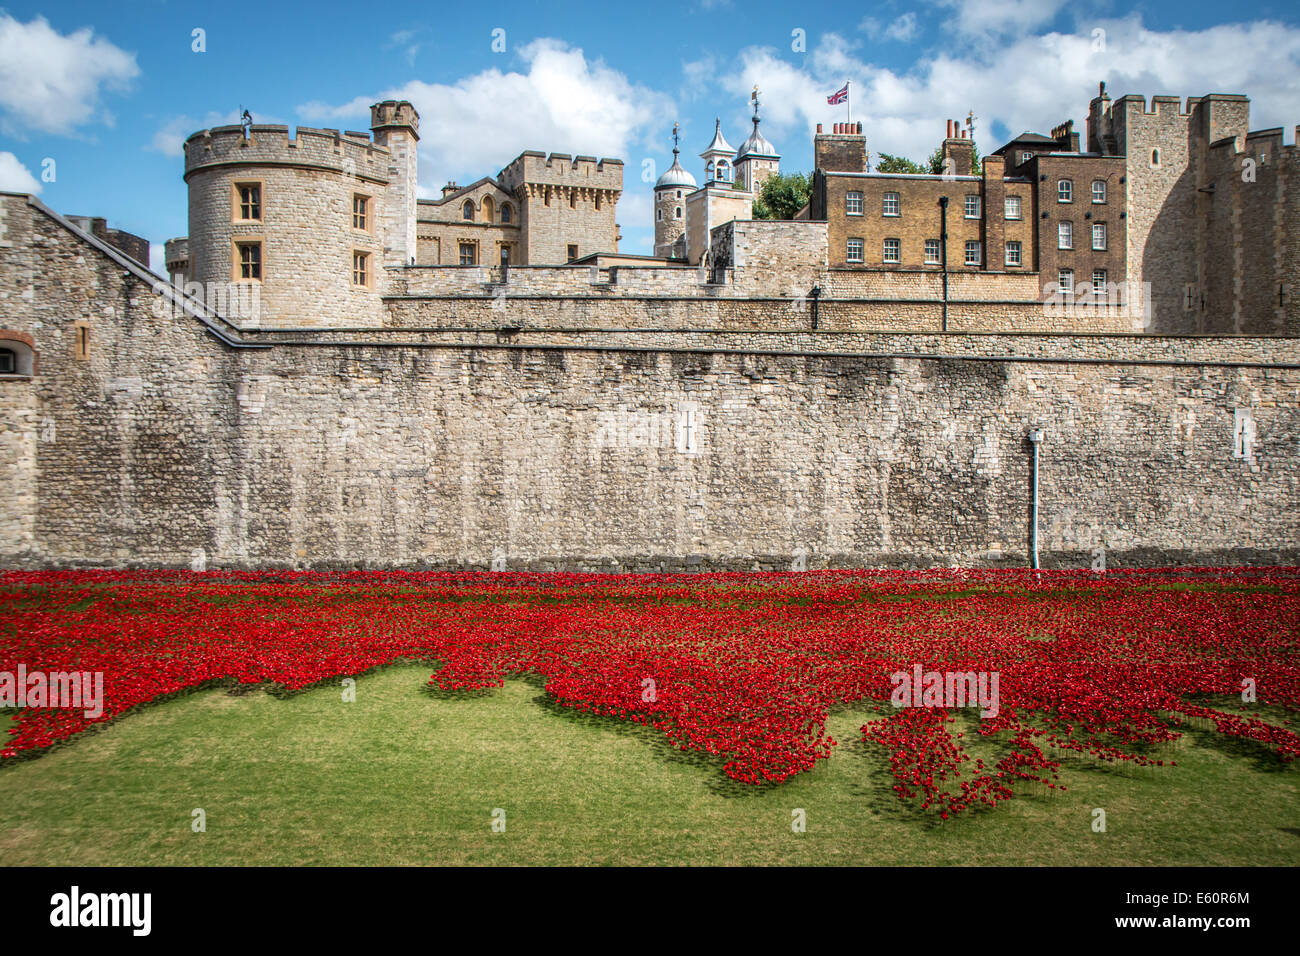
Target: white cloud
157, 258
52, 83
904, 113
15, 177
998, 17
562, 103
904, 29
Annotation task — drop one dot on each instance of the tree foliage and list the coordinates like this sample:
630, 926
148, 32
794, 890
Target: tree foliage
783, 195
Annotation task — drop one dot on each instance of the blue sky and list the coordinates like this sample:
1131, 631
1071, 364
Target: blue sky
109, 91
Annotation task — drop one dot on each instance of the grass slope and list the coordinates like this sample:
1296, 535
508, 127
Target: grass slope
406, 775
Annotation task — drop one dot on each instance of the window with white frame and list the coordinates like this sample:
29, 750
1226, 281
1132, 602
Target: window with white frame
972, 207
932, 252
1065, 235
973, 257
854, 251
853, 204
1013, 254
1099, 190
1099, 291
1065, 280
1099, 235
890, 204
1013, 207
1064, 190
891, 250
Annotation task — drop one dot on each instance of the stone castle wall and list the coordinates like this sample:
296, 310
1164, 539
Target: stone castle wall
284, 448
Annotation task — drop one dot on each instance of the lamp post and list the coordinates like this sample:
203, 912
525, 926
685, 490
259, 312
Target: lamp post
1035, 439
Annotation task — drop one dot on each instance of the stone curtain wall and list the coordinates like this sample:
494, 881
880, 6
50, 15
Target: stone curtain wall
167, 444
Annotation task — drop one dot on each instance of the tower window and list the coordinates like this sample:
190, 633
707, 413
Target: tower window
81, 343
361, 269
679, 194
248, 202
659, 215
573, 252
1155, 157
249, 261
573, 198
677, 212
361, 213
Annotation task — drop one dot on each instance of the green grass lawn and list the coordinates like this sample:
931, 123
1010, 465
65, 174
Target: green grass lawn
406, 775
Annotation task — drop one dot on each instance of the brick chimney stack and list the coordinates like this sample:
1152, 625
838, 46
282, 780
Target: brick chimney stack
844, 150
959, 149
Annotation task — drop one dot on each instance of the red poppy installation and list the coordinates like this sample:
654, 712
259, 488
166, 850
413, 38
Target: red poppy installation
742, 666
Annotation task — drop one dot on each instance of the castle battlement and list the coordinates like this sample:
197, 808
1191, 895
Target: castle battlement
563, 169
271, 145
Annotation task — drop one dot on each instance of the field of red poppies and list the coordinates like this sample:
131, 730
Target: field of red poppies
742, 666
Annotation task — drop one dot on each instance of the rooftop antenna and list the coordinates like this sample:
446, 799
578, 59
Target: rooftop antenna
970, 124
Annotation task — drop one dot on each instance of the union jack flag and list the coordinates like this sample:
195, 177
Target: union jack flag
839, 96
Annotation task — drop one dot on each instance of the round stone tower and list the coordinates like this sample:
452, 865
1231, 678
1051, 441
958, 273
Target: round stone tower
300, 225
670, 203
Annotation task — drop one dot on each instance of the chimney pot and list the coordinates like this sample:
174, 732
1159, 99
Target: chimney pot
819, 128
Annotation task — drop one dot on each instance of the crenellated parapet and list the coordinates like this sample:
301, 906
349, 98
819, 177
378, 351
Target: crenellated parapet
271, 145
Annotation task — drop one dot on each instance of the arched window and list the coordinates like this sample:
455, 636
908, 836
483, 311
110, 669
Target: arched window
659, 215
507, 211
677, 212
467, 211
723, 174
1155, 157
16, 354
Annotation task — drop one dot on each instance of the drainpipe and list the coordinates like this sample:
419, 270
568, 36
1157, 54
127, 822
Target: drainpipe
1035, 438
943, 252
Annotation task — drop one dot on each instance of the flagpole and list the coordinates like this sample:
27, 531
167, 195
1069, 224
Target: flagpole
848, 85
